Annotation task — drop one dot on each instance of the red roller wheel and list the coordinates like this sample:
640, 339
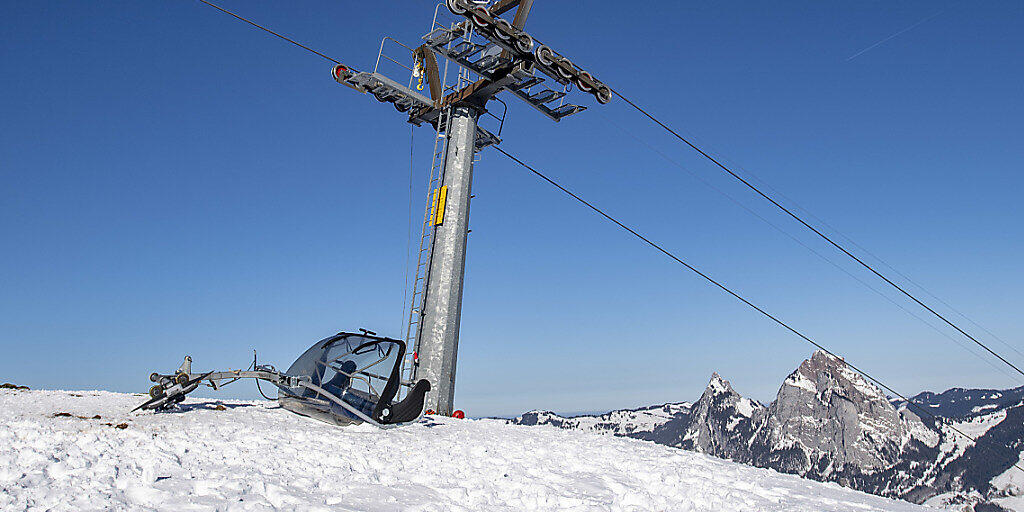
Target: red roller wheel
339, 72
583, 80
479, 17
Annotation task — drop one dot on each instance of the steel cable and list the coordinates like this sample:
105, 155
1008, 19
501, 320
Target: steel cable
261, 27
819, 233
910, 404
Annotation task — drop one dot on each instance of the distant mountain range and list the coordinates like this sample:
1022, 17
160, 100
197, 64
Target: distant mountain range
828, 423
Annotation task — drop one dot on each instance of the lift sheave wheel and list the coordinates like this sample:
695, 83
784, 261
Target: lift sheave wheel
520, 46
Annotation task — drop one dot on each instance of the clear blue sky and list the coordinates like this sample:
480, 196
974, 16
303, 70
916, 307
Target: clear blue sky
177, 182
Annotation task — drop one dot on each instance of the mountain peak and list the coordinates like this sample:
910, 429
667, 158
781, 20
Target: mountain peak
836, 416
822, 357
718, 385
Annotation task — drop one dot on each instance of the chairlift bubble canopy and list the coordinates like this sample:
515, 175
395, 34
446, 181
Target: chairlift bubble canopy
352, 377
344, 379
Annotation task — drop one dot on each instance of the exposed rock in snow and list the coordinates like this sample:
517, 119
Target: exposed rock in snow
255, 456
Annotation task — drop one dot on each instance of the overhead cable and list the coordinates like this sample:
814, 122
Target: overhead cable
910, 404
818, 232
261, 27
962, 344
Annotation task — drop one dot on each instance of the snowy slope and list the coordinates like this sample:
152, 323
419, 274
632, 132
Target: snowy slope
255, 456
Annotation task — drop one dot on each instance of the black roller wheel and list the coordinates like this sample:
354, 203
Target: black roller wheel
401, 107
181, 378
456, 7
603, 93
156, 391
503, 29
566, 69
544, 55
524, 43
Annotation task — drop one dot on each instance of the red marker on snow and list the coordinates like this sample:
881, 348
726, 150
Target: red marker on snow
458, 414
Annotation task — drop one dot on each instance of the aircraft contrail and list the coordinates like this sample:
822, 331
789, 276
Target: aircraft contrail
897, 34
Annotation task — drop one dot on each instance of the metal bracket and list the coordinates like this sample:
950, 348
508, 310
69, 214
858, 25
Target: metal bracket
518, 80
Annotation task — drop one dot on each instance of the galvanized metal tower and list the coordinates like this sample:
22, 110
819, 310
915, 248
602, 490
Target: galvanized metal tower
441, 311
491, 55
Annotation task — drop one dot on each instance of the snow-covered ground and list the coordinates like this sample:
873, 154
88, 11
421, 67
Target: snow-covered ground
255, 456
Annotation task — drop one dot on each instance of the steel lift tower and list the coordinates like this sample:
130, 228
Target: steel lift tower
489, 55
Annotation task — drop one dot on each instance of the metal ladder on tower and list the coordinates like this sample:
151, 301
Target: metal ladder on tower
419, 284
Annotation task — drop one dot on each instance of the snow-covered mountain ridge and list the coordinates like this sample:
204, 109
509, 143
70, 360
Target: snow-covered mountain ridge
828, 423
83, 450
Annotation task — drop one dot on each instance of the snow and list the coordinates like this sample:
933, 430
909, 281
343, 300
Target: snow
955, 500
798, 379
975, 427
1011, 477
717, 385
253, 455
978, 425
917, 430
867, 389
745, 406
629, 420
1011, 485
980, 408
1010, 503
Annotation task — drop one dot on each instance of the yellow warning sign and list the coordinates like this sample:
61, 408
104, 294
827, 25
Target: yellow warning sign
437, 206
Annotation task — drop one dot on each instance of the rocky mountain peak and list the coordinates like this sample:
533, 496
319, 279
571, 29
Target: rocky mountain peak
718, 385
823, 357
829, 416
721, 420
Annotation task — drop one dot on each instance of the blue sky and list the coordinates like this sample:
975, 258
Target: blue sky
177, 182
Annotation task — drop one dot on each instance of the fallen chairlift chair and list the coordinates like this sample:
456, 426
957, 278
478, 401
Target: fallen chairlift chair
337, 380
